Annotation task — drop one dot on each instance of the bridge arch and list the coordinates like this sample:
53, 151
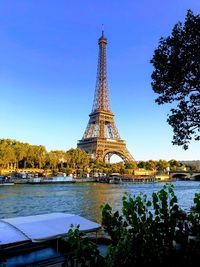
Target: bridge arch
180, 176
196, 177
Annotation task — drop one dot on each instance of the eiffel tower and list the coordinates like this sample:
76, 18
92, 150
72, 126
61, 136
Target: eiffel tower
101, 138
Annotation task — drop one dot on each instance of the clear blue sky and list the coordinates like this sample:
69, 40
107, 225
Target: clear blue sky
48, 55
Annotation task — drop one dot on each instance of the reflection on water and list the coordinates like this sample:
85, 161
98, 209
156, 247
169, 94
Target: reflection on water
81, 199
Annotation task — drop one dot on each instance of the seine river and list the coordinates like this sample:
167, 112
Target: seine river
83, 199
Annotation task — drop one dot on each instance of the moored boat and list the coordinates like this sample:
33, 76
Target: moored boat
4, 180
7, 183
39, 240
51, 180
21, 181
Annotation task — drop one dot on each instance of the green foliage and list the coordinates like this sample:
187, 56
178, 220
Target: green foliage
78, 158
35, 156
74, 161
84, 251
69, 171
194, 216
112, 222
130, 165
159, 165
162, 165
176, 78
143, 234
174, 164
56, 157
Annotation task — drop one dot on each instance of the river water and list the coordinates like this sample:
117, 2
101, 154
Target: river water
82, 199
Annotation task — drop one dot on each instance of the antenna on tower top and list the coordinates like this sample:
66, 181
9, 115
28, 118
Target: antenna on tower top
102, 29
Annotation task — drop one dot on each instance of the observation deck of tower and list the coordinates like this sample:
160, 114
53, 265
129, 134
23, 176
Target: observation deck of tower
101, 138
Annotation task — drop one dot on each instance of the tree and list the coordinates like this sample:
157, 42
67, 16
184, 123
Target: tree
78, 159
7, 154
56, 157
131, 165
162, 165
174, 164
151, 165
176, 78
142, 164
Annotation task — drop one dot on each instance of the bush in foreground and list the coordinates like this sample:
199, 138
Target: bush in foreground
147, 232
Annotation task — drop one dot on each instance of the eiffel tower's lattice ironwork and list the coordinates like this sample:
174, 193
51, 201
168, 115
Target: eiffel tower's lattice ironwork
101, 138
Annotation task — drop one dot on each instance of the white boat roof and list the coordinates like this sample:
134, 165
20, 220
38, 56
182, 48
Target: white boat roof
9, 235
38, 228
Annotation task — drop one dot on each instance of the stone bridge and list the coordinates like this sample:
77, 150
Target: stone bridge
185, 175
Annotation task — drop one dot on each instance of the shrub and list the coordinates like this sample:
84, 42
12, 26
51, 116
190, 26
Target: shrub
84, 252
145, 231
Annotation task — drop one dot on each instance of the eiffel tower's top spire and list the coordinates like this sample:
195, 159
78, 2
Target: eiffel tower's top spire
101, 98
102, 39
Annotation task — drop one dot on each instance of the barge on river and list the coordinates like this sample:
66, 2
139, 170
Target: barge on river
51, 180
4, 180
39, 240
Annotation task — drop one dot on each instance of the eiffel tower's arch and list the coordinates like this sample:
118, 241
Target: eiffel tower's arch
101, 138
121, 154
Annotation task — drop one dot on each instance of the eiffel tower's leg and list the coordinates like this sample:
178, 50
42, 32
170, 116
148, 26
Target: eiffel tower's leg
108, 157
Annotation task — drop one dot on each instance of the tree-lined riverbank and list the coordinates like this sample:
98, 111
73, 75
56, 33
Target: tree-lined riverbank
17, 156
